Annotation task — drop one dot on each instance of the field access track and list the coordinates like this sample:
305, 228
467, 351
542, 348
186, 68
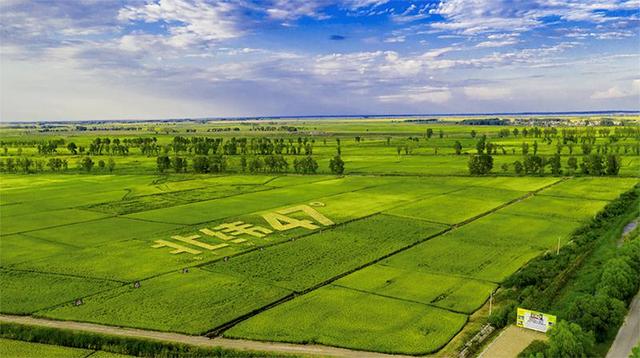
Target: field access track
238, 344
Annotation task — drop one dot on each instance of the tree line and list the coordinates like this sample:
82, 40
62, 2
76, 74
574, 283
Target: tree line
594, 164
29, 165
272, 163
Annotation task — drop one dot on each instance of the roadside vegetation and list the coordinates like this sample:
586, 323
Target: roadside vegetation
588, 284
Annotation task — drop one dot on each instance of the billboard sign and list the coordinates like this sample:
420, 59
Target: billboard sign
537, 321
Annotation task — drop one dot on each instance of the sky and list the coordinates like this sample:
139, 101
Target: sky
121, 59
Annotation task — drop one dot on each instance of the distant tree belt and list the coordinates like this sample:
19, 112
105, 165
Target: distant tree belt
593, 164
486, 122
118, 344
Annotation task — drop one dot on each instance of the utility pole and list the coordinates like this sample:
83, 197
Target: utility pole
490, 303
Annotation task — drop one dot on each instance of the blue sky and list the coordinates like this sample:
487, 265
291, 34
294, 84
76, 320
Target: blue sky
104, 59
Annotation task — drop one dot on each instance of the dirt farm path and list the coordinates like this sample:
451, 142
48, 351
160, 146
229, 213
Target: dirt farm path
511, 342
201, 341
629, 334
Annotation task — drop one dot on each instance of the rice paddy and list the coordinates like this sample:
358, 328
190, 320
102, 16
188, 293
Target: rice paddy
394, 256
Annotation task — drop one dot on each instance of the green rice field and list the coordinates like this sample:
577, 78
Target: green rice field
394, 255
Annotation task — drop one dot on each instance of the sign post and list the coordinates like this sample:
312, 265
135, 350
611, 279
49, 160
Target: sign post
536, 321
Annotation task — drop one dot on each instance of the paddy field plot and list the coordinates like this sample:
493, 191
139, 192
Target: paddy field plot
127, 260
444, 256
446, 291
543, 206
347, 318
369, 262
592, 188
19, 248
192, 302
311, 260
26, 292
102, 231
490, 248
457, 205
200, 212
35, 221
18, 349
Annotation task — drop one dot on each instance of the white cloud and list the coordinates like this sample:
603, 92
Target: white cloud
473, 17
289, 10
615, 92
395, 39
487, 93
418, 95
357, 4
199, 21
503, 43
478, 16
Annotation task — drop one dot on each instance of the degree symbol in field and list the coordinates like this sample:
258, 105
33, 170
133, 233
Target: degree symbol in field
317, 204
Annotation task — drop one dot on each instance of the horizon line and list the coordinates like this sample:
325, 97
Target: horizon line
328, 116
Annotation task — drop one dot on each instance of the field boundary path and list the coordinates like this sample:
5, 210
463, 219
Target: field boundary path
201, 341
629, 334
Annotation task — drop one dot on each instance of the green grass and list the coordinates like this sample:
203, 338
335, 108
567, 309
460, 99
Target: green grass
311, 260
342, 317
192, 302
28, 292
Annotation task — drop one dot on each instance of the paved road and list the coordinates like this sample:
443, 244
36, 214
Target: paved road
629, 333
237, 344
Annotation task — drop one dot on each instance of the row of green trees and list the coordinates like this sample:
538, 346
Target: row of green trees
274, 163
594, 165
29, 165
485, 146
130, 346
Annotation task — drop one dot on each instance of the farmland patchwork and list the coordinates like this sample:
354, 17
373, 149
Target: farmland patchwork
392, 264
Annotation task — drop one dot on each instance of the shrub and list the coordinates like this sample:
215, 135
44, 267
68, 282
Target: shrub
618, 279
505, 314
598, 314
568, 340
535, 349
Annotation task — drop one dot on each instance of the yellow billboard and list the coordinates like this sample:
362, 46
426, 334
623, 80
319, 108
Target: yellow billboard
537, 321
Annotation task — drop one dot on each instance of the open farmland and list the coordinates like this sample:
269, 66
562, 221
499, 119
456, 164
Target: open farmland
18, 349
394, 255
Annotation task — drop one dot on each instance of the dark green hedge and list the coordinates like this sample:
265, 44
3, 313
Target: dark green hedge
118, 344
